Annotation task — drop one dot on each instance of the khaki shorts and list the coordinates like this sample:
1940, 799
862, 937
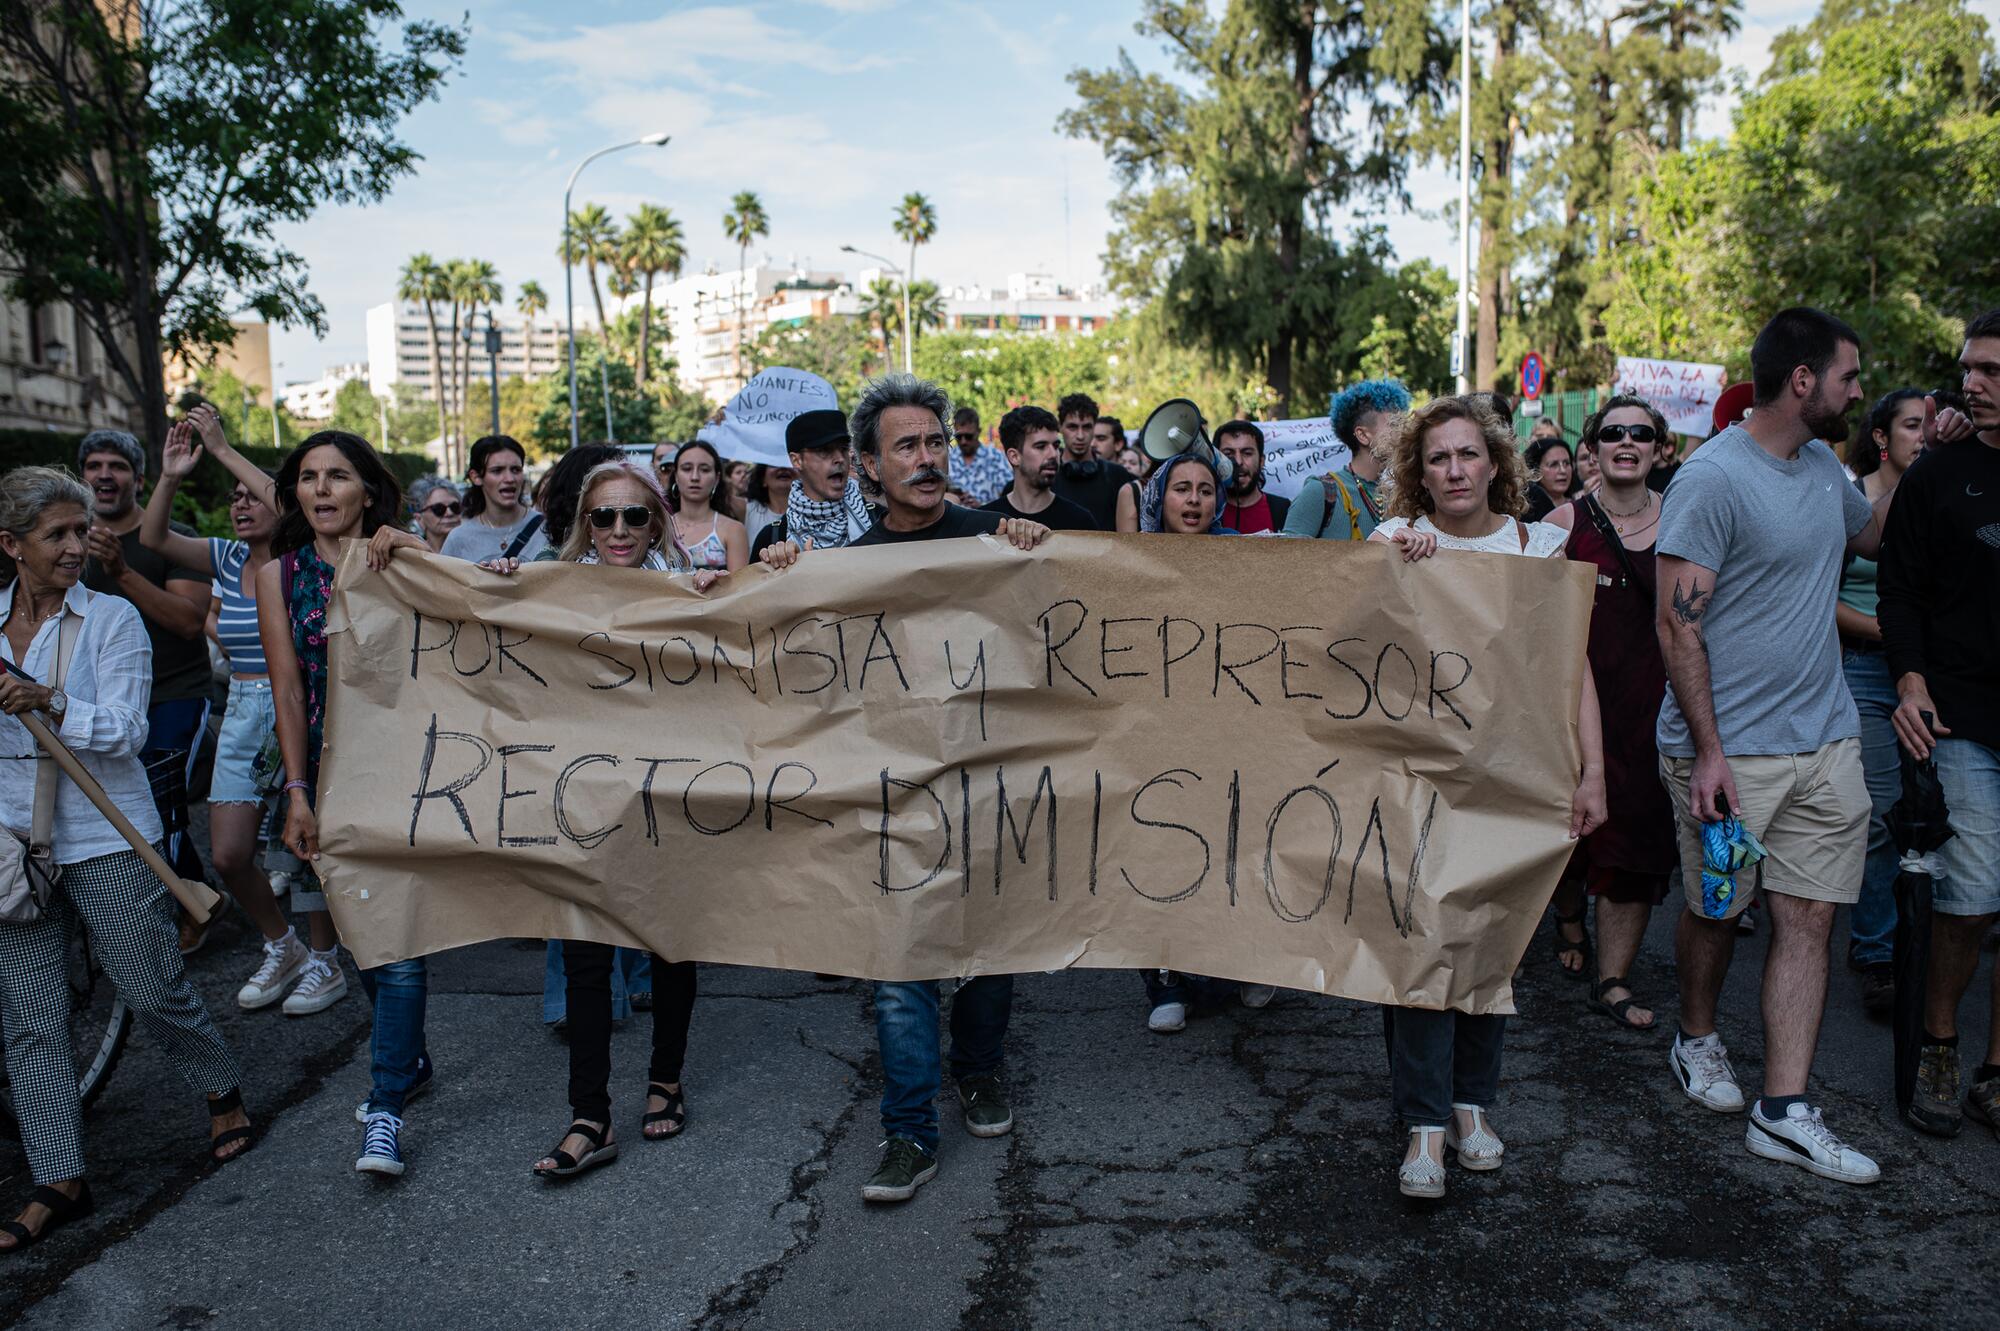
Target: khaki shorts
1810, 810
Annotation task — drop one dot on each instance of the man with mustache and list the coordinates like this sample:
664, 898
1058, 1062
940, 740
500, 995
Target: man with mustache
1247, 508
173, 601
898, 429
498, 524
1033, 444
825, 510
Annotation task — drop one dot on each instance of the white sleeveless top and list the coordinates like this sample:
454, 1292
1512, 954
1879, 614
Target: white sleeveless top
1545, 539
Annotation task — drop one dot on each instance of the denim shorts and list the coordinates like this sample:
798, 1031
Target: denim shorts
1970, 775
246, 722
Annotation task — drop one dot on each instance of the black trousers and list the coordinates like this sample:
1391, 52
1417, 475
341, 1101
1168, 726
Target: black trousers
587, 982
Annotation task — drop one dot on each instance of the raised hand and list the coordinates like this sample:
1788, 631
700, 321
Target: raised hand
182, 453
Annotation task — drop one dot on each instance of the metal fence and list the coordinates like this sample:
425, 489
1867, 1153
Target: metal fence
1568, 410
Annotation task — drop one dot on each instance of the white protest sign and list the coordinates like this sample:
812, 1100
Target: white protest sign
1684, 391
752, 424
1298, 451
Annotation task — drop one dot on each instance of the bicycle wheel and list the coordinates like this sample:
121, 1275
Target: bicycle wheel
99, 1021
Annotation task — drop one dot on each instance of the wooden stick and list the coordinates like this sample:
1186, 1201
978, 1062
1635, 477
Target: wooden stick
197, 899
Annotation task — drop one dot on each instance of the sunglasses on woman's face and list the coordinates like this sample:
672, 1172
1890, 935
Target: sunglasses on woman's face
1638, 434
443, 510
635, 515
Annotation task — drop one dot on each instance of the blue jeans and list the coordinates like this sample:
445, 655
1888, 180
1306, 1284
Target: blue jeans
906, 1029
631, 973
397, 1053
1871, 923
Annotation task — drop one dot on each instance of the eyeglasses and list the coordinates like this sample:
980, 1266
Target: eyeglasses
443, 510
635, 515
966, 438
1638, 434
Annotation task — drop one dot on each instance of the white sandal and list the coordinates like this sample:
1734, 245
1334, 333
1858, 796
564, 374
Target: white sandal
1479, 1150
1420, 1175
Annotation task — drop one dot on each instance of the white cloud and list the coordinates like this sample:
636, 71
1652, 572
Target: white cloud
649, 49
521, 128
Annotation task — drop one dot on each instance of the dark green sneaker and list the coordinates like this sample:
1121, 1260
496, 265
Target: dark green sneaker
905, 1167
985, 1102
1934, 1108
1982, 1103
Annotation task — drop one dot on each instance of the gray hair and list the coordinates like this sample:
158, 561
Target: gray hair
113, 441
894, 390
28, 492
420, 490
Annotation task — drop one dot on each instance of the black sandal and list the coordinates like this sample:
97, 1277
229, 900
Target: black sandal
1620, 1011
1582, 945
675, 1113
228, 1103
567, 1165
61, 1211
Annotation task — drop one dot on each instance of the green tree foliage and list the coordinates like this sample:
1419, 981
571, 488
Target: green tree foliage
837, 349
634, 412
591, 238
745, 221
153, 150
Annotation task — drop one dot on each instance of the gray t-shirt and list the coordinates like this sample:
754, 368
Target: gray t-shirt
1774, 532
474, 541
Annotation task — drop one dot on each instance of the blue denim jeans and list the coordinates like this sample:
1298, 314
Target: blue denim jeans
1871, 922
906, 1029
631, 973
397, 1052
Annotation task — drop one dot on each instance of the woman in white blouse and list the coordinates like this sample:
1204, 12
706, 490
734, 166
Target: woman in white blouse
1459, 484
100, 712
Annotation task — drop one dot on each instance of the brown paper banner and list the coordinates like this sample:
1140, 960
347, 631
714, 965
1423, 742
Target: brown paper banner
1298, 763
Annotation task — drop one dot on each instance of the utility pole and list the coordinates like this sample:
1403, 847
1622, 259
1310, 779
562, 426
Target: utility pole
1461, 353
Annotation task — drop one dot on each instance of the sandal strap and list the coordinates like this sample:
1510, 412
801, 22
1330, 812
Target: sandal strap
1614, 982
563, 1159
1582, 913
228, 1102
579, 1128
229, 1138
55, 1201
20, 1233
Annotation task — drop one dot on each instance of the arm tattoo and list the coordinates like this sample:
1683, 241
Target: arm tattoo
1690, 604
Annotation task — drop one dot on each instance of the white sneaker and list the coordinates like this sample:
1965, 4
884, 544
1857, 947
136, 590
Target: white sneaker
1256, 995
1801, 1138
1702, 1068
1167, 1018
284, 959
322, 985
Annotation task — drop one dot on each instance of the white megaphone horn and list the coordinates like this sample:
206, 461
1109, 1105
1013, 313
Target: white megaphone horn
1176, 427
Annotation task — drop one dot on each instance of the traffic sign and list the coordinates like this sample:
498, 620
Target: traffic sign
1531, 375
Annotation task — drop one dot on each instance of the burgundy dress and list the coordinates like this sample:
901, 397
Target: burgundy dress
1631, 678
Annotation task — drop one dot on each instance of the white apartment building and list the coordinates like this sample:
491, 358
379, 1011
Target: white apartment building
399, 347
313, 400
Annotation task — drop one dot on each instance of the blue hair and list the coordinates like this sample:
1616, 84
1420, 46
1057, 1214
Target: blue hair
1357, 400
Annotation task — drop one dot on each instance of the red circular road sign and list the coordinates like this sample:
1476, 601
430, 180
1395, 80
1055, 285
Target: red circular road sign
1531, 375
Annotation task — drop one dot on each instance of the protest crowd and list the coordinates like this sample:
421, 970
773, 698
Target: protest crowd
1787, 616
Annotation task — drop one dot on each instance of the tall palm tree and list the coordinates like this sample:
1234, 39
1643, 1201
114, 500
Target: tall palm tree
476, 282
654, 244
592, 239
533, 303
422, 279
882, 305
744, 222
926, 308
916, 222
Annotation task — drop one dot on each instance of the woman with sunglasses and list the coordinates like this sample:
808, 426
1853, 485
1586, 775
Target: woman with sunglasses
621, 522
1627, 863
438, 509
701, 519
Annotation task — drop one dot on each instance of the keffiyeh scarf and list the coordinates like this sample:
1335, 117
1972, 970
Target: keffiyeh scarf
826, 524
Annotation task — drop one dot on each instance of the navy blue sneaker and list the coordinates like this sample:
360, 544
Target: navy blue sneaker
381, 1146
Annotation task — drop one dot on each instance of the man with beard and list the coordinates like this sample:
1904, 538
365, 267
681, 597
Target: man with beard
1247, 509
173, 601
825, 509
497, 525
1759, 724
1033, 443
899, 434
1085, 479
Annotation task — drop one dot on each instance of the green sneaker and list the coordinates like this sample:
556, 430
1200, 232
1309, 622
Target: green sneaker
985, 1103
1934, 1108
905, 1167
1982, 1103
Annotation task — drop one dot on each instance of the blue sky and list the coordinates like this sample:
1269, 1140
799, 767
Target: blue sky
830, 109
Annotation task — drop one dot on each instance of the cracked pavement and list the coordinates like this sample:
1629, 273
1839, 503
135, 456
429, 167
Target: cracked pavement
1238, 1174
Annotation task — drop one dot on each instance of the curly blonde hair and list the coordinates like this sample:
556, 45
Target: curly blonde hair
1508, 494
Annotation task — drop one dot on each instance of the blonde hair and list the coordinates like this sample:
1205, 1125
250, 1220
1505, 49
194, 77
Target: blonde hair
1508, 493
577, 543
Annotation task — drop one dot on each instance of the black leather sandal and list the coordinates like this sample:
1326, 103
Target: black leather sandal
1583, 945
675, 1113
1620, 1011
229, 1103
62, 1210
601, 1152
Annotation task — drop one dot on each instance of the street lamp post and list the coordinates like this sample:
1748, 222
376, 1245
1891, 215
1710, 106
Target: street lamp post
569, 265
492, 360
1461, 353
908, 367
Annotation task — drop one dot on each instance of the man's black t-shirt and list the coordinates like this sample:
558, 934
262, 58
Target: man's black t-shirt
1060, 515
180, 665
1093, 486
955, 522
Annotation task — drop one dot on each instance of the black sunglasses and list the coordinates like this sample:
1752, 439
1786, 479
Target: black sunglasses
1638, 434
635, 515
442, 510
967, 438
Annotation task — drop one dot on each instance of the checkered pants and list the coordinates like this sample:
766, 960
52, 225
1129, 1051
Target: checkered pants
132, 933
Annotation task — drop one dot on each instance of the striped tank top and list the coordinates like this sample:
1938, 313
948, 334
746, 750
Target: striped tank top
236, 625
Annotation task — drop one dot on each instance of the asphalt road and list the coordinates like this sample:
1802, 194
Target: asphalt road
1238, 1174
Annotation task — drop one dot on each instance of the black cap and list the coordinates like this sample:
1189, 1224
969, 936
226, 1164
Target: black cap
816, 429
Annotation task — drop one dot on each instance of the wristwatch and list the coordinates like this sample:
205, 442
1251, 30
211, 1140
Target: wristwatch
58, 703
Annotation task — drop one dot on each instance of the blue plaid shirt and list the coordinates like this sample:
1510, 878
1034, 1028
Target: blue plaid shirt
985, 478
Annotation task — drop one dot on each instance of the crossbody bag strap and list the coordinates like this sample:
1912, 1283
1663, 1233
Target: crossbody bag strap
1609, 535
521, 538
1347, 502
41, 832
